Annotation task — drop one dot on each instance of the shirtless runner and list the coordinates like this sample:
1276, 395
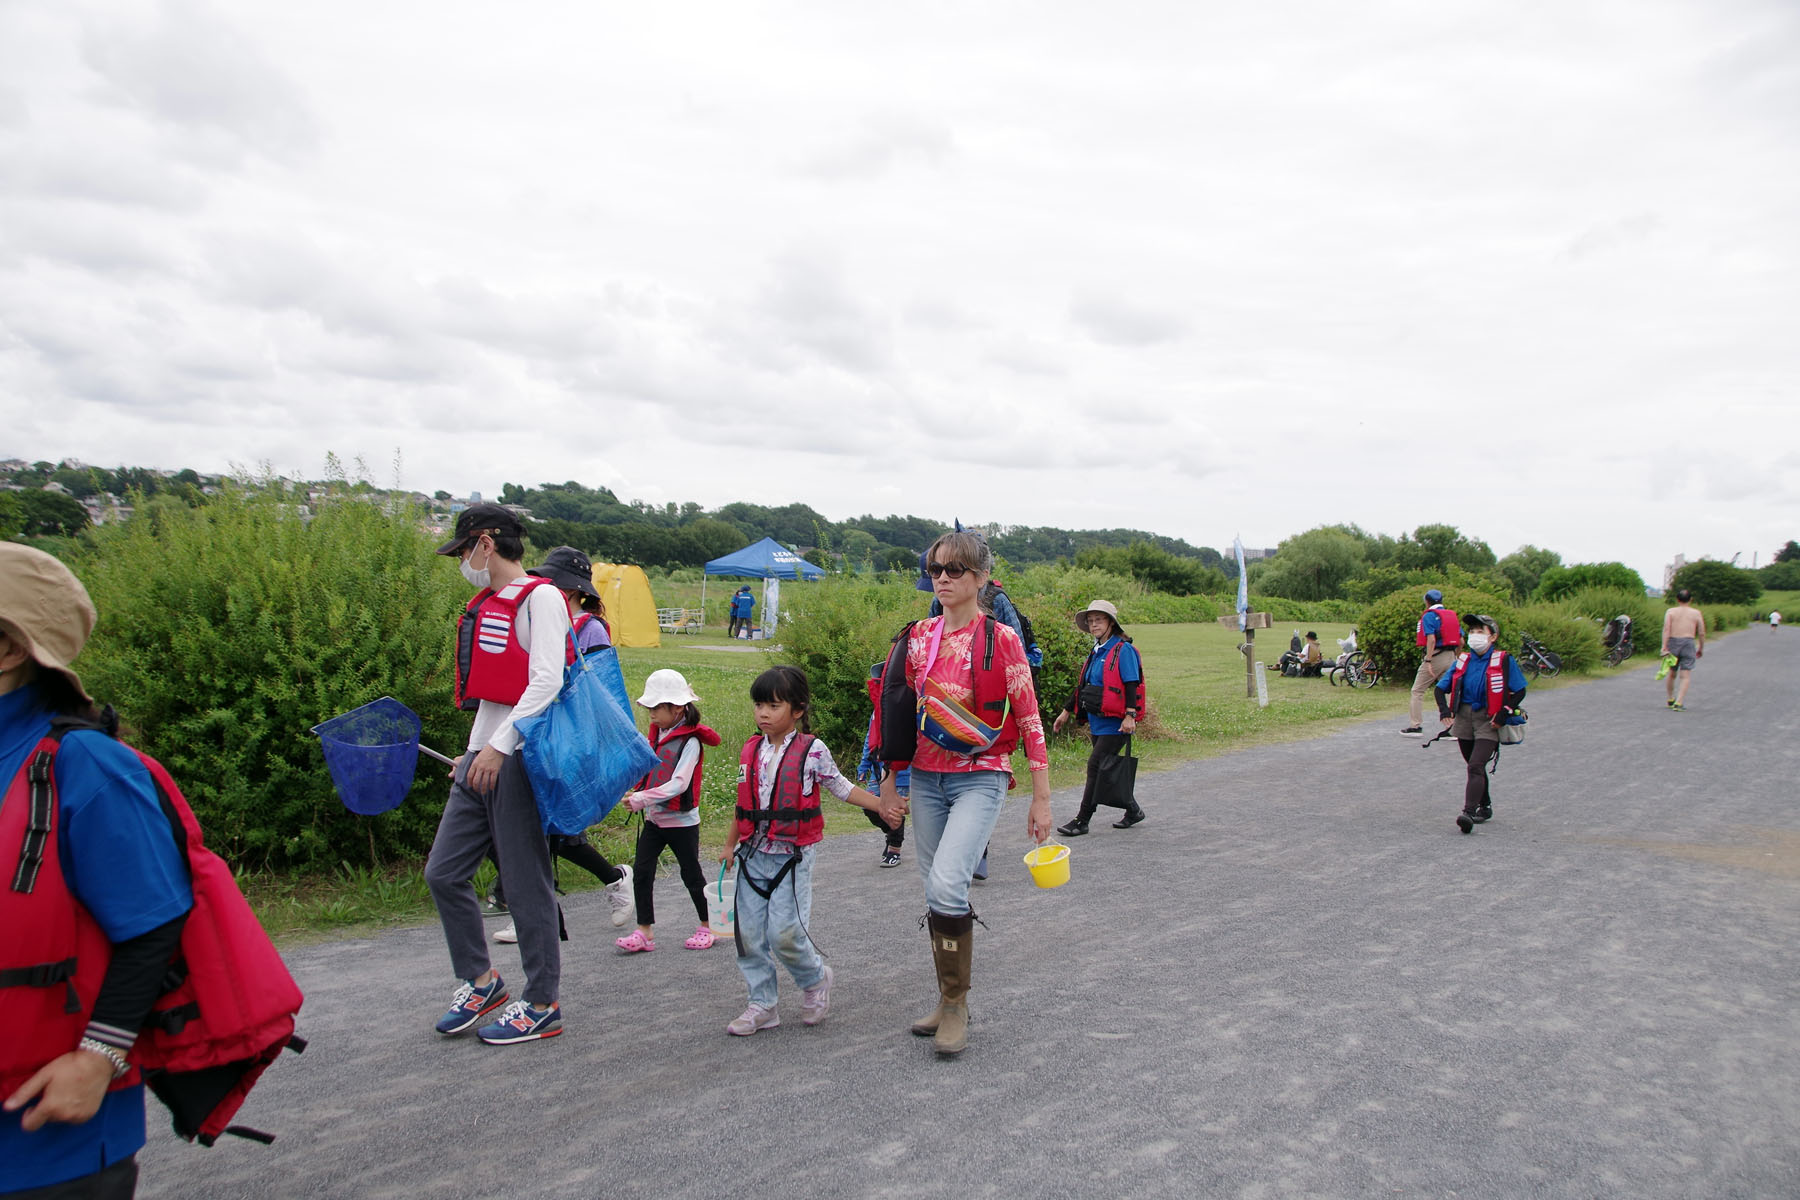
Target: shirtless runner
1684, 636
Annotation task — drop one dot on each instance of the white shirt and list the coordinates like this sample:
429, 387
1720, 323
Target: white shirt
542, 627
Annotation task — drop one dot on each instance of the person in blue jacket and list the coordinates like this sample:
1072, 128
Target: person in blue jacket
1087, 702
743, 604
1478, 695
66, 1129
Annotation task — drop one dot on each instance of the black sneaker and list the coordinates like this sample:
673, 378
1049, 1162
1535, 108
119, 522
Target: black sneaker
1465, 822
1484, 814
491, 907
1412, 731
890, 857
1073, 829
1129, 819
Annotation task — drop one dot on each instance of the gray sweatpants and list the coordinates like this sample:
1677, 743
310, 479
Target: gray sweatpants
508, 822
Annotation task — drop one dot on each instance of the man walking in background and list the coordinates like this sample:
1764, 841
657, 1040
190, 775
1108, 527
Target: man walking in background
1440, 634
1684, 636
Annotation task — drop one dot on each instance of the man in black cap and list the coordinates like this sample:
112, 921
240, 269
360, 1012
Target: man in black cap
511, 646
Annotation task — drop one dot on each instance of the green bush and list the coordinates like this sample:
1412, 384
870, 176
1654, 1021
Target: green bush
1714, 582
834, 630
1722, 618
1572, 637
226, 632
1387, 628
1559, 583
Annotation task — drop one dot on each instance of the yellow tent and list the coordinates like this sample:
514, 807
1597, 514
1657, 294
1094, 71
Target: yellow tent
630, 608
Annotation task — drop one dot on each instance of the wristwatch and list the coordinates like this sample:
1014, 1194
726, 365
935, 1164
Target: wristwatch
110, 1053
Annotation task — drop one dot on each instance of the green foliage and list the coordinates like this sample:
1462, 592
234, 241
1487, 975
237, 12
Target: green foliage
1388, 627
50, 514
227, 632
1788, 553
1571, 637
834, 630
1314, 565
1525, 567
1782, 575
1437, 547
12, 516
1386, 580
1556, 583
1155, 568
1714, 582
1723, 617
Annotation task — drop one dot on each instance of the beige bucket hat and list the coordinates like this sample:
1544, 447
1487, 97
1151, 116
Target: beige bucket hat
45, 609
1098, 606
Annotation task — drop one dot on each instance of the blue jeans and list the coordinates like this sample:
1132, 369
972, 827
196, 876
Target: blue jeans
774, 928
954, 813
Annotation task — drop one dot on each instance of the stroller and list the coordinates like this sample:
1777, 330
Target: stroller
1616, 637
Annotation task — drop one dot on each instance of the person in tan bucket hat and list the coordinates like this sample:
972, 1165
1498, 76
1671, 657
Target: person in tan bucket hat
1109, 697
73, 1111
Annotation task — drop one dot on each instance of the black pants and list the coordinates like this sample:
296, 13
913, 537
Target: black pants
1105, 746
895, 837
1477, 752
684, 840
117, 1182
577, 849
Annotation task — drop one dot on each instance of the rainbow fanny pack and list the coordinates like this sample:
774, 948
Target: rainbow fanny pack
949, 723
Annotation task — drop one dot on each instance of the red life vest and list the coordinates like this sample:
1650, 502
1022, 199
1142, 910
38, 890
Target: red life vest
581, 620
990, 701
1112, 683
668, 747
491, 662
229, 1000
1496, 681
1449, 628
792, 815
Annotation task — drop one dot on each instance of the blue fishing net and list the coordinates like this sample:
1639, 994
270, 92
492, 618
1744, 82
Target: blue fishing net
372, 753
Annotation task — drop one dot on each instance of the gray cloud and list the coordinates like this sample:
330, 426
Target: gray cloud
1119, 322
190, 72
884, 143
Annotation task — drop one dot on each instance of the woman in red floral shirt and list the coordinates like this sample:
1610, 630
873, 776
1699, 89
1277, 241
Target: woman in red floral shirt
957, 793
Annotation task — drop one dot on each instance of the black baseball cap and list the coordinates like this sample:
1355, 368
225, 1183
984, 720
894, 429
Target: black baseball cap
569, 569
478, 519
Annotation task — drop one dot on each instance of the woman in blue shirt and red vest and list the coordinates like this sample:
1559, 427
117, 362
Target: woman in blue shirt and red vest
1109, 696
1478, 695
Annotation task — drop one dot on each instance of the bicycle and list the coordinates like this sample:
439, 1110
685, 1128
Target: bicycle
1359, 671
1621, 651
1536, 659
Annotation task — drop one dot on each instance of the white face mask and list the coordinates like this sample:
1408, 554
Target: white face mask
477, 579
1478, 642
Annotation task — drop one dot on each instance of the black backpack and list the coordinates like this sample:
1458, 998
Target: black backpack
894, 729
1029, 635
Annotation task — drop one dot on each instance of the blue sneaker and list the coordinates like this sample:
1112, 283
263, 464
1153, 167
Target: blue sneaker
470, 1004
522, 1023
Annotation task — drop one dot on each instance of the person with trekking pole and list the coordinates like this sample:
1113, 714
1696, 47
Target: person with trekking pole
1440, 636
973, 684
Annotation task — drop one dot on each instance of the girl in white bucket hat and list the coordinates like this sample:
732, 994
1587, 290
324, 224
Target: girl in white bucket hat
669, 798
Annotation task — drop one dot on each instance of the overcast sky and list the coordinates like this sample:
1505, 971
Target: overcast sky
1190, 267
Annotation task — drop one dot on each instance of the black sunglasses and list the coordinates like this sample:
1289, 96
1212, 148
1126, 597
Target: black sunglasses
953, 570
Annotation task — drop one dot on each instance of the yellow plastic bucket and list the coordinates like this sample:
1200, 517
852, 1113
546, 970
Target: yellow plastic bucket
1049, 865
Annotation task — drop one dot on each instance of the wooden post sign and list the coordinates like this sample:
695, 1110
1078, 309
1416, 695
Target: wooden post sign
1252, 622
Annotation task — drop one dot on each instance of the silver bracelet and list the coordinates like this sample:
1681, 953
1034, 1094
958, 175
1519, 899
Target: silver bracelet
110, 1053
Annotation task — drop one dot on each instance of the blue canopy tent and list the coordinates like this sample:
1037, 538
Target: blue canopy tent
767, 560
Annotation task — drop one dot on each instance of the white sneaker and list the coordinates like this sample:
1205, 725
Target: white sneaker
509, 935
753, 1019
618, 894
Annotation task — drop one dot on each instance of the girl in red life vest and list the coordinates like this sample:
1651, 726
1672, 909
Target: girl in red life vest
669, 798
1480, 693
780, 772
573, 575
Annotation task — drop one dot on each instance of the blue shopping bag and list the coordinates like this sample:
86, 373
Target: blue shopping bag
583, 752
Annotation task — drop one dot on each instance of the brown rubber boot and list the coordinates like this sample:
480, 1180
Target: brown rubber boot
927, 1026
952, 946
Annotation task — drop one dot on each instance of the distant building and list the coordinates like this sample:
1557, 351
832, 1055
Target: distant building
1669, 571
474, 498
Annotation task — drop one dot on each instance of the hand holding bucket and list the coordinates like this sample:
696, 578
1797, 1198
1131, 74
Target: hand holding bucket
1048, 864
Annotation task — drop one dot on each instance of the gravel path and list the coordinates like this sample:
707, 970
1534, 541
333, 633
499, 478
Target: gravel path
1297, 979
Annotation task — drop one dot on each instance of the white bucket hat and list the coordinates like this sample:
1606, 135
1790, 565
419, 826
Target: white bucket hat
1098, 606
667, 687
